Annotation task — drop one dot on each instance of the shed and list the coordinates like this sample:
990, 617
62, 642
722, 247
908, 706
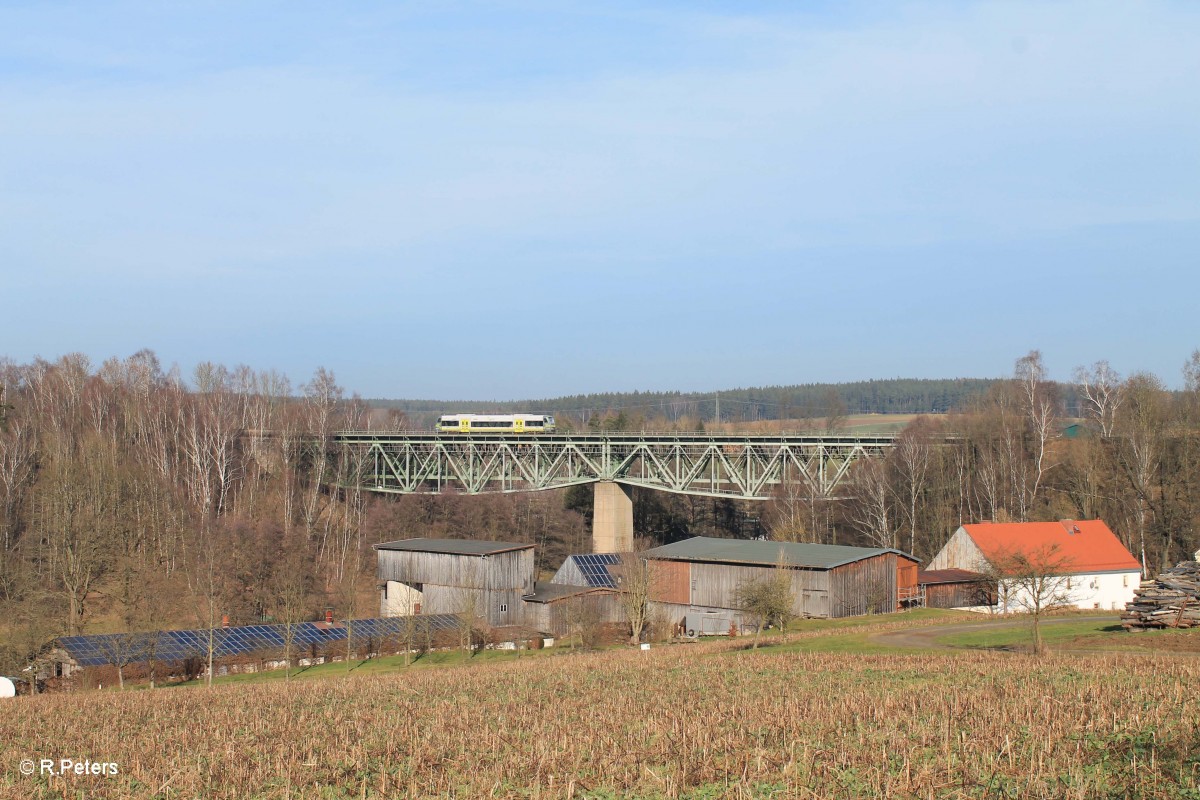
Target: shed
704, 573
554, 607
454, 576
956, 588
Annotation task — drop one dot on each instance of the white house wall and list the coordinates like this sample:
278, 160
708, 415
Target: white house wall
398, 600
1109, 591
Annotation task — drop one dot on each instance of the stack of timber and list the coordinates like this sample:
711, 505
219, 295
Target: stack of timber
1170, 601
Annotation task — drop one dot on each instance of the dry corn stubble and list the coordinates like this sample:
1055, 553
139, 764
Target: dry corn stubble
675, 722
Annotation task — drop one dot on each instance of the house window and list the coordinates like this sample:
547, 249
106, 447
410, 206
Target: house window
1068, 583
503, 607
1124, 580
1095, 605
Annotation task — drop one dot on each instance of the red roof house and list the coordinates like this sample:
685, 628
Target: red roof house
1102, 572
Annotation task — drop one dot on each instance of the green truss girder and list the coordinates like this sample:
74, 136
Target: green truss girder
745, 467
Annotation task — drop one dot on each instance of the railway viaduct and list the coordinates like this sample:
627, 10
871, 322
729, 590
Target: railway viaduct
746, 467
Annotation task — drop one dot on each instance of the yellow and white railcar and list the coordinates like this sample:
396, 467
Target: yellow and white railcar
495, 423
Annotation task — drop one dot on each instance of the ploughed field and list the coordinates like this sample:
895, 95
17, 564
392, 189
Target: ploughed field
685, 721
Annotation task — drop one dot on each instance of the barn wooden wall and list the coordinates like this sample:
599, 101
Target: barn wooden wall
569, 574
959, 595
497, 606
959, 553
685, 584
556, 617
670, 581
511, 570
863, 587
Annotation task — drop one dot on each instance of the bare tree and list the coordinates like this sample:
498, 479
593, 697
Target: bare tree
1102, 393
1139, 445
637, 582
209, 584
767, 599
1032, 582
121, 650
18, 460
583, 621
912, 456
290, 586
788, 511
1039, 406
75, 517
321, 398
870, 502
467, 603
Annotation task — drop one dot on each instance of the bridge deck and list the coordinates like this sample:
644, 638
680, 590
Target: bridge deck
746, 466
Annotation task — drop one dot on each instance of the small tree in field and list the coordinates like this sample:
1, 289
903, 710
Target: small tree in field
637, 580
1033, 582
767, 599
469, 605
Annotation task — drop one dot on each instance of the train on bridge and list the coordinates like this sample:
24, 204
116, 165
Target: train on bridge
495, 423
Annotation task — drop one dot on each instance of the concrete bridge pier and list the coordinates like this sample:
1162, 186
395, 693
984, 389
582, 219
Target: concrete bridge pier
612, 518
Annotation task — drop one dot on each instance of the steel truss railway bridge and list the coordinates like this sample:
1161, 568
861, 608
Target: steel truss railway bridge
746, 467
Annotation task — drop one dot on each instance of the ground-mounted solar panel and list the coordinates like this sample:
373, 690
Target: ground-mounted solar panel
106, 649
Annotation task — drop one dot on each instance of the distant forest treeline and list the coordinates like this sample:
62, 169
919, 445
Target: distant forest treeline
809, 400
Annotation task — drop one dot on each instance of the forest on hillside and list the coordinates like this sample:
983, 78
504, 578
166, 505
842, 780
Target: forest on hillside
133, 498
800, 402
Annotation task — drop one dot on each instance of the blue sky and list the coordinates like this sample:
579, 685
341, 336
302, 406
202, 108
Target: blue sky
524, 199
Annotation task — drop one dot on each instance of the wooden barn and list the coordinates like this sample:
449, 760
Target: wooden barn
702, 574
955, 588
453, 576
556, 608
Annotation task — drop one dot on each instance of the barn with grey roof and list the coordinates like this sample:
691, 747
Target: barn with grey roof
702, 574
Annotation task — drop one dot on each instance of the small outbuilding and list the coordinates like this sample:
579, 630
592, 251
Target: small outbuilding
558, 608
956, 588
455, 576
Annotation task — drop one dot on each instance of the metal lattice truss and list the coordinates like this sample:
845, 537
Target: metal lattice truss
746, 467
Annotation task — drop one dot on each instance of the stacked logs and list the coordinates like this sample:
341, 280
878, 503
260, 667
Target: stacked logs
1170, 601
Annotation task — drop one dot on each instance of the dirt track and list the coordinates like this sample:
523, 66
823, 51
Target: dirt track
927, 638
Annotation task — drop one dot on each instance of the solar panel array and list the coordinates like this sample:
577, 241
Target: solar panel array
114, 648
594, 568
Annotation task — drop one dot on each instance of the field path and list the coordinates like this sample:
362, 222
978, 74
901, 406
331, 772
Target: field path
927, 638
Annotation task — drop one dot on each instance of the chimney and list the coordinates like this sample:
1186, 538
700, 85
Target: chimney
225, 621
329, 616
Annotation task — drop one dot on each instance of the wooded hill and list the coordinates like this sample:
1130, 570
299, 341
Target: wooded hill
800, 401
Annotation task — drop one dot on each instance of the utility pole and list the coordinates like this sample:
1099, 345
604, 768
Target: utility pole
717, 417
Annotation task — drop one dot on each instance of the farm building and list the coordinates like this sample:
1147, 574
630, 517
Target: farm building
1095, 569
452, 576
589, 569
556, 608
701, 576
956, 588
